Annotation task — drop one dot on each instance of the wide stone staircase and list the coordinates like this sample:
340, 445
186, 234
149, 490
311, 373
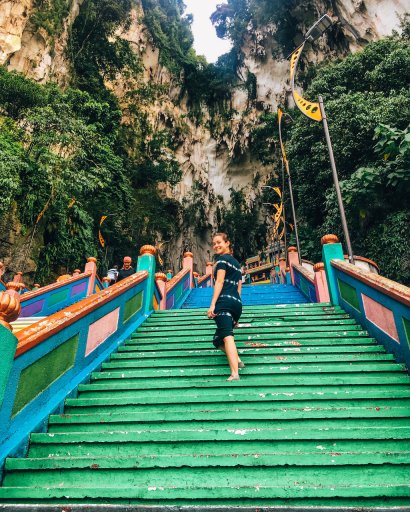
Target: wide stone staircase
320, 417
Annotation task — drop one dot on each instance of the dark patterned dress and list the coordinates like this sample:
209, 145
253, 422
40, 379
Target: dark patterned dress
228, 307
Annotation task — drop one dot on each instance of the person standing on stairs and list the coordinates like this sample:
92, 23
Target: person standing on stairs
126, 270
226, 304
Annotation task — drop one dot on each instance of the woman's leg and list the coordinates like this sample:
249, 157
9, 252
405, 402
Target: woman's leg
240, 363
232, 355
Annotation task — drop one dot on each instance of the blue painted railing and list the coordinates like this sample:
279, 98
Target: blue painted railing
205, 281
380, 305
178, 288
304, 280
55, 355
52, 298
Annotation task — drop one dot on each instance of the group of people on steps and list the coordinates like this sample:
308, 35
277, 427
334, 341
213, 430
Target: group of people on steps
226, 303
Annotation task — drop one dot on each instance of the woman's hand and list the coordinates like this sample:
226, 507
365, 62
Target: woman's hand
211, 310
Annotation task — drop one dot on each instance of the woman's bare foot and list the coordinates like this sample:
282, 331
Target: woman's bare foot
241, 364
233, 377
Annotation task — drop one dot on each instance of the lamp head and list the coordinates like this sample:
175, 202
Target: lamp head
318, 28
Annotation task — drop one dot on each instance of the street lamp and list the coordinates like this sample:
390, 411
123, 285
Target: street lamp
316, 111
286, 165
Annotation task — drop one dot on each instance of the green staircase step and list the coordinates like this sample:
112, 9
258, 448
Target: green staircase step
157, 353
225, 454
257, 482
125, 420
251, 370
289, 323
252, 319
348, 325
299, 407
217, 360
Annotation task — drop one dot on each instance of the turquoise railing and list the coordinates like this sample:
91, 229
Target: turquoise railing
380, 305
45, 362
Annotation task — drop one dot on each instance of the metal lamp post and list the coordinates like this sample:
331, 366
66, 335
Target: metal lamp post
285, 162
316, 111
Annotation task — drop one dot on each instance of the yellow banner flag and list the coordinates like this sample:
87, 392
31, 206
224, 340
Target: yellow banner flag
102, 241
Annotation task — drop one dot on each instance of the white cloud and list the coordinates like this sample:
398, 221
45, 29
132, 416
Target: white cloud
206, 41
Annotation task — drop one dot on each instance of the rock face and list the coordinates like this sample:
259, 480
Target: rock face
358, 22
13, 20
30, 50
219, 160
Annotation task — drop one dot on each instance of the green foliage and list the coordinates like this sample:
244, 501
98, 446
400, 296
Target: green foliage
62, 153
17, 93
264, 137
13, 163
204, 84
367, 102
237, 18
95, 51
194, 208
388, 243
171, 33
241, 221
50, 15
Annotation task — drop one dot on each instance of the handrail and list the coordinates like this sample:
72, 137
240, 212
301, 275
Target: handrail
362, 258
158, 290
305, 273
204, 278
394, 290
53, 286
176, 279
38, 332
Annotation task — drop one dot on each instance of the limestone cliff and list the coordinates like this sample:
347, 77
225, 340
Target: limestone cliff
38, 50
357, 22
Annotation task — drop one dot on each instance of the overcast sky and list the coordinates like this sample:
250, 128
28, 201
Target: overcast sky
206, 42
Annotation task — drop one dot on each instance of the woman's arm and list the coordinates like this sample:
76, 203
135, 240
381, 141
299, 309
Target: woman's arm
220, 277
240, 288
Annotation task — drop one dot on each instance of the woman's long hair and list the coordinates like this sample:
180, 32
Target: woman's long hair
225, 238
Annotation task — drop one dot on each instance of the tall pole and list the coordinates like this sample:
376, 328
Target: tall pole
316, 111
284, 212
295, 225
285, 163
336, 182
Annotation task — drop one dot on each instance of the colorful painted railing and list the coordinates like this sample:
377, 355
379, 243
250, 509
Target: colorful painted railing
98, 284
178, 288
52, 298
45, 362
157, 296
205, 281
304, 280
172, 292
46, 300
380, 305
